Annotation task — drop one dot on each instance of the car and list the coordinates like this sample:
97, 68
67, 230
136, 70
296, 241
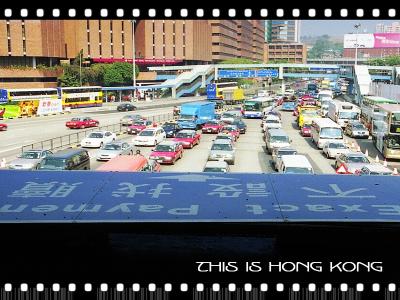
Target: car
3, 127
277, 154
225, 136
171, 129
68, 159
274, 113
375, 169
219, 166
351, 161
333, 149
114, 149
240, 125
305, 131
233, 130
272, 122
356, 130
230, 116
222, 150
126, 107
81, 123
167, 152
129, 119
212, 126
97, 139
29, 160
150, 137
187, 138
139, 125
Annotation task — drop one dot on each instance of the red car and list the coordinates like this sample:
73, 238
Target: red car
138, 126
212, 126
187, 138
232, 130
3, 127
305, 131
167, 152
82, 122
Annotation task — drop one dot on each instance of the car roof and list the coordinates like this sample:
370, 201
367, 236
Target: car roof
216, 164
222, 142
296, 160
187, 131
168, 143
67, 153
277, 131
375, 167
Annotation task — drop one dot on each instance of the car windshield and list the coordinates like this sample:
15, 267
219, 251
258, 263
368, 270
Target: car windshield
184, 135
272, 121
147, 133
139, 123
53, 163
222, 147
359, 126
223, 137
357, 159
96, 135
169, 126
218, 170
287, 152
331, 133
112, 147
212, 122
76, 119
230, 128
164, 148
337, 146
298, 170
279, 139
30, 155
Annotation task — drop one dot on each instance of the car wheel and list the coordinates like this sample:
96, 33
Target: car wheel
191, 145
83, 127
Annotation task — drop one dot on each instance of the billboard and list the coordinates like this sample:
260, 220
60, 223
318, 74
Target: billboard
372, 40
247, 73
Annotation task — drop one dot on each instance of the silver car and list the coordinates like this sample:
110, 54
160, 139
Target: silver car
216, 166
222, 150
278, 152
130, 119
333, 149
29, 160
111, 150
356, 130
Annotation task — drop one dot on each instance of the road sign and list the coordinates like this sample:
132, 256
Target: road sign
247, 73
342, 170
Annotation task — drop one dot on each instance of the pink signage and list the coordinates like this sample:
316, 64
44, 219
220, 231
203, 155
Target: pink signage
386, 40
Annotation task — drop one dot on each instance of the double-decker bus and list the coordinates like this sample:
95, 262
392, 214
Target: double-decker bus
24, 102
85, 96
370, 110
227, 91
387, 137
256, 107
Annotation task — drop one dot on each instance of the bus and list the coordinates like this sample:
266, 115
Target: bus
257, 107
370, 109
25, 102
324, 130
228, 91
85, 96
387, 139
343, 112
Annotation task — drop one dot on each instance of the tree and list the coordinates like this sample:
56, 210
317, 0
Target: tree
393, 60
119, 74
70, 76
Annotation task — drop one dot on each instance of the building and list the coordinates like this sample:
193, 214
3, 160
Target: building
268, 31
371, 45
288, 52
30, 43
285, 31
382, 28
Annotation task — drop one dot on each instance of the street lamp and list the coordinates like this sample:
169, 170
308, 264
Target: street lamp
133, 59
357, 27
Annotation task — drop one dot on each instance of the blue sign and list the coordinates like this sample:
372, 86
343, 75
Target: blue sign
3, 96
247, 73
211, 91
70, 196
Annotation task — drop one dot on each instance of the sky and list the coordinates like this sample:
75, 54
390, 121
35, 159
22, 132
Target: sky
338, 27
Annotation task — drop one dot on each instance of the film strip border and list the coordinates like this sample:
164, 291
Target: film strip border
202, 288
200, 13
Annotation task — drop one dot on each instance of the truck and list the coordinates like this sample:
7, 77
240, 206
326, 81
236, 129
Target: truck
194, 115
343, 112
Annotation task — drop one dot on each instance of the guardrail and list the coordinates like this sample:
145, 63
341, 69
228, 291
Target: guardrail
75, 138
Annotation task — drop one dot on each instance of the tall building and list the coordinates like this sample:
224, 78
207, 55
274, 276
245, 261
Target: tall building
268, 31
285, 31
285, 52
258, 40
382, 28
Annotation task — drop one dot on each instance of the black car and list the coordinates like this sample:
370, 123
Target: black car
171, 129
219, 104
241, 125
126, 107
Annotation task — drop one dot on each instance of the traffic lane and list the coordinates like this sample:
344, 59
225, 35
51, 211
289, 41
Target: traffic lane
305, 146
35, 131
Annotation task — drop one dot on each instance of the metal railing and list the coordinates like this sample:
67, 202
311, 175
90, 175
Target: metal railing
64, 141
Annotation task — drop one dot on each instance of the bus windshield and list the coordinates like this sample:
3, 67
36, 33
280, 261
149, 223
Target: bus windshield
331, 133
393, 141
252, 106
351, 115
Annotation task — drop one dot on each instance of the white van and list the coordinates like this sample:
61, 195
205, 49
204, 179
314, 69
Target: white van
276, 138
324, 130
295, 164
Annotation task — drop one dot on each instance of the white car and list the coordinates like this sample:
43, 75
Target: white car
97, 139
150, 137
272, 122
333, 149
